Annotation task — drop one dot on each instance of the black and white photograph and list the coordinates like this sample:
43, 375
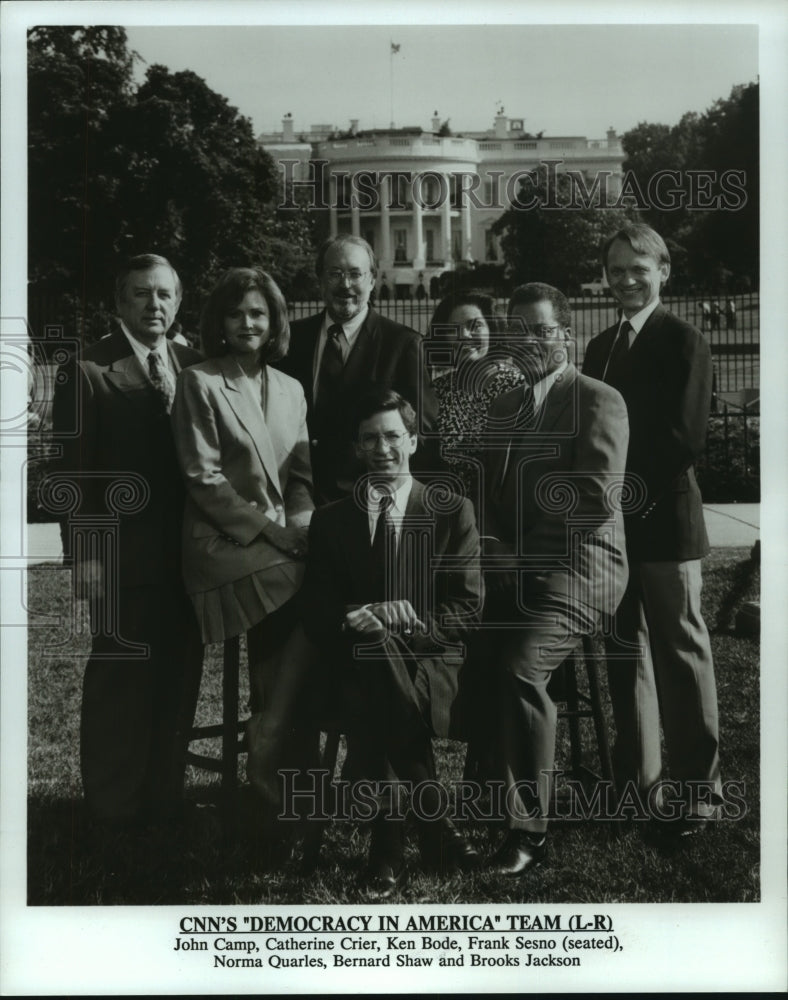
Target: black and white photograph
386, 461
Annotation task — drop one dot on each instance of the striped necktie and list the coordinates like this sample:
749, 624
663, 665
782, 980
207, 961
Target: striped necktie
615, 369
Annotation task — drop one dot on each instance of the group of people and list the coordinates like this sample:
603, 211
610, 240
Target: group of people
416, 530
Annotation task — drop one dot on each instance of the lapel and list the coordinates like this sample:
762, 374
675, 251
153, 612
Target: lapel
360, 361
649, 333
238, 392
124, 370
558, 398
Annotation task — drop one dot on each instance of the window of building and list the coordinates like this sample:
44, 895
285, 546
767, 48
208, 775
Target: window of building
400, 246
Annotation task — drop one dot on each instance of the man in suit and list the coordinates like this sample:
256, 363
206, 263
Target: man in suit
342, 352
660, 656
392, 589
554, 550
111, 416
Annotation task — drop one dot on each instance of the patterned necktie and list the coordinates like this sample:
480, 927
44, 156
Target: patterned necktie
616, 363
331, 365
160, 377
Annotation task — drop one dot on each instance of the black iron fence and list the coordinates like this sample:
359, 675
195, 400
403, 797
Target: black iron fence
733, 333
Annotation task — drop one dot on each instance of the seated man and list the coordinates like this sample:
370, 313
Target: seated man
553, 525
392, 588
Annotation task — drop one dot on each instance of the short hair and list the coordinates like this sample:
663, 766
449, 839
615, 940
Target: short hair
380, 401
341, 240
537, 291
143, 262
470, 297
226, 294
643, 240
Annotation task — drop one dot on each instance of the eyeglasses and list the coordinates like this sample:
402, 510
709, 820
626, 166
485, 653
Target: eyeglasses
542, 332
392, 439
335, 275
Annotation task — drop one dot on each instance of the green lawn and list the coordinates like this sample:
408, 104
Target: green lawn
589, 861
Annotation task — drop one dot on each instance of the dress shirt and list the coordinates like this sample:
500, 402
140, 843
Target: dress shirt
637, 321
350, 330
396, 511
142, 351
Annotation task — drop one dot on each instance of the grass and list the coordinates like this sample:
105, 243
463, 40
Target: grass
589, 861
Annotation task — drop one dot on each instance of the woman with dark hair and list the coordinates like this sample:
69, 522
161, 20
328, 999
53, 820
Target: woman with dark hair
477, 370
240, 433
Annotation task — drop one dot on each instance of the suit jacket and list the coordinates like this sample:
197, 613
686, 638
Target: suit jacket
666, 384
118, 446
385, 354
551, 492
442, 582
242, 466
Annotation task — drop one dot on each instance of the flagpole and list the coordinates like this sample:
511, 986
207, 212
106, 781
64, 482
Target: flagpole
391, 84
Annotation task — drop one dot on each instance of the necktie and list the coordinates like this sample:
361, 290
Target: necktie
160, 377
331, 365
383, 549
616, 362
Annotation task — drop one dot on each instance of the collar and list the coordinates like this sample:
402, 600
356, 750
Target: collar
142, 350
350, 328
401, 497
544, 385
637, 322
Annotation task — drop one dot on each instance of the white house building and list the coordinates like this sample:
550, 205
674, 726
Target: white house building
426, 202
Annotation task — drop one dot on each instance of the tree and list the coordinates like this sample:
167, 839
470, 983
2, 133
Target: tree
557, 245
170, 167
714, 145
78, 78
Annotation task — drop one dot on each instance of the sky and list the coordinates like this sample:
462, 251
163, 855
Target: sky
562, 79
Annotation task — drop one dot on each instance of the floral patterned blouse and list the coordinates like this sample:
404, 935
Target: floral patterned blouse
462, 414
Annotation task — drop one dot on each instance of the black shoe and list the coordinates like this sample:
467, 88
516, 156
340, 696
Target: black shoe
444, 850
520, 852
672, 834
383, 878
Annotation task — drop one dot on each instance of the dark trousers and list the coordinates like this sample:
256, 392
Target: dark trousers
523, 657
137, 712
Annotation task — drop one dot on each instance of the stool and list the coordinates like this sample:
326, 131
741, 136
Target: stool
228, 729
563, 688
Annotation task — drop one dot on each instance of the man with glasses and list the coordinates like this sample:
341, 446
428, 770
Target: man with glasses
553, 540
345, 350
392, 589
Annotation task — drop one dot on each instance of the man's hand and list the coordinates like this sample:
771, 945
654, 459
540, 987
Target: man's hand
362, 620
398, 616
88, 580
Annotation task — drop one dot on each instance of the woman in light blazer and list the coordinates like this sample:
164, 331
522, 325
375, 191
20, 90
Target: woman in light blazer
240, 433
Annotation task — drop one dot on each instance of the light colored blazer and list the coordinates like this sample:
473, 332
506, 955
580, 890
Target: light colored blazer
555, 501
241, 465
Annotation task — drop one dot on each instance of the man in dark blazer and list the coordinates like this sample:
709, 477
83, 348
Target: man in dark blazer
553, 543
392, 590
346, 350
111, 417
660, 657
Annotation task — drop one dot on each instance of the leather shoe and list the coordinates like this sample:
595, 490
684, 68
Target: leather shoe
674, 833
383, 878
520, 852
444, 849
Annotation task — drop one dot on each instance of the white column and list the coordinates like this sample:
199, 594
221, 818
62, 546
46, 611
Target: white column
332, 205
418, 236
466, 231
355, 218
445, 247
385, 224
